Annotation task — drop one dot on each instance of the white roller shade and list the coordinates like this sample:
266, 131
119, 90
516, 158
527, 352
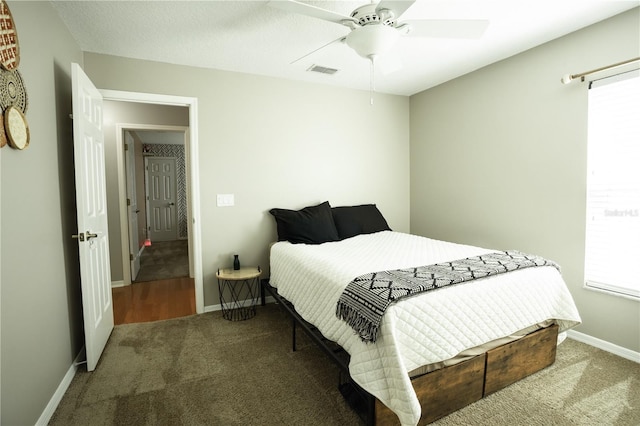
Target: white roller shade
612, 258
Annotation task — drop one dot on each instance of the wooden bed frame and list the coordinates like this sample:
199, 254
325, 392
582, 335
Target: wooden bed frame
443, 391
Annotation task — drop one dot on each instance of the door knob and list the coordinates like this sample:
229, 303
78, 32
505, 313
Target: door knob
172, 204
79, 236
90, 235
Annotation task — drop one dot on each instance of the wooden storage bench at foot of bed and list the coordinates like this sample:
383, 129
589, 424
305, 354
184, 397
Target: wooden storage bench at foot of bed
449, 389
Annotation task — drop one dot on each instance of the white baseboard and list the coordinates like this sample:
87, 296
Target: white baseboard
218, 307
115, 284
212, 308
605, 346
46, 415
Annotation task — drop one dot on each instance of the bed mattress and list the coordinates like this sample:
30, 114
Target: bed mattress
420, 330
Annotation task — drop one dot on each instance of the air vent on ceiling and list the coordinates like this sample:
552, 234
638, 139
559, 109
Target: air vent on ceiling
323, 70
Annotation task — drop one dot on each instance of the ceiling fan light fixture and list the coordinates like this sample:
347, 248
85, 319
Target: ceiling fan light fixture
372, 40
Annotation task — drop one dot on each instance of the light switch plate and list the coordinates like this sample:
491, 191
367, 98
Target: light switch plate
225, 200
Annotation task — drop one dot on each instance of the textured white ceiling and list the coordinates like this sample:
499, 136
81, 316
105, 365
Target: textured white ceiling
253, 37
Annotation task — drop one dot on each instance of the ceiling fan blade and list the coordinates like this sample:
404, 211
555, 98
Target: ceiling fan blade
309, 10
397, 6
448, 28
339, 39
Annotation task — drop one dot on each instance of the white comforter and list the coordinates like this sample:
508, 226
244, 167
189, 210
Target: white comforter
419, 330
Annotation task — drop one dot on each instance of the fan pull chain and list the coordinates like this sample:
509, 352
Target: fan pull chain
372, 84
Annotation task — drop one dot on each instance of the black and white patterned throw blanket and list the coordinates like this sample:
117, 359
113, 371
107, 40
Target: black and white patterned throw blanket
367, 297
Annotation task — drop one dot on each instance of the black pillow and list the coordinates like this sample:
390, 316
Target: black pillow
355, 220
310, 225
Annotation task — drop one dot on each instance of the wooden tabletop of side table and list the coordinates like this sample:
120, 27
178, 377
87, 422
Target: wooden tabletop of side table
239, 274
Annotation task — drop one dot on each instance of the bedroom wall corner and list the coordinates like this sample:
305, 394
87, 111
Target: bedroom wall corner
498, 159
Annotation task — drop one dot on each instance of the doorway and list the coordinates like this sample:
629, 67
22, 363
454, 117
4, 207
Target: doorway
157, 203
192, 221
156, 198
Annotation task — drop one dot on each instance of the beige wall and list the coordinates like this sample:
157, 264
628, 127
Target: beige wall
41, 311
276, 143
128, 113
498, 159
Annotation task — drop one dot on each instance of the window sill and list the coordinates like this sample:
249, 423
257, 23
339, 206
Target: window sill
613, 292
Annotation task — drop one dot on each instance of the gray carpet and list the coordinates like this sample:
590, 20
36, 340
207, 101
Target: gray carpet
203, 370
163, 260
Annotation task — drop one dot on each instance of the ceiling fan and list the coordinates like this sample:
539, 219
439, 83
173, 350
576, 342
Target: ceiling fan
375, 28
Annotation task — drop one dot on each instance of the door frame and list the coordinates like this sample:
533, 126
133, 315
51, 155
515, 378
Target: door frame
194, 229
131, 194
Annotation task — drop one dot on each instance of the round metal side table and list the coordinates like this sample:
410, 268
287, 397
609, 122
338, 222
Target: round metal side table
239, 291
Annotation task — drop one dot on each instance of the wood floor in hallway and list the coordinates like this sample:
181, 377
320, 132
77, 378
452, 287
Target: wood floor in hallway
154, 300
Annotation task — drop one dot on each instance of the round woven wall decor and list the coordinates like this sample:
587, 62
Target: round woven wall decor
12, 91
3, 134
9, 47
15, 124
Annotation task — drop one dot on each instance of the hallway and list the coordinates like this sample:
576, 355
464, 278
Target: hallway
164, 259
162, 289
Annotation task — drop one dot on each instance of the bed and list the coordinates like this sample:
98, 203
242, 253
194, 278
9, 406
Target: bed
435, 351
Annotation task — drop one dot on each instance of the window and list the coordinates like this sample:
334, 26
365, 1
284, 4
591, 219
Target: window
612, 258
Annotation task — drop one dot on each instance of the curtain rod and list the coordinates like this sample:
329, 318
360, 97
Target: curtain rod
568, 78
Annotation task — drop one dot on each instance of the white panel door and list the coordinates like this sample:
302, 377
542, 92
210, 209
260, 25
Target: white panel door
132, 205
91, 200
161, 198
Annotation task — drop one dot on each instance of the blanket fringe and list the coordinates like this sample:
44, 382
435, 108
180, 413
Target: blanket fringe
366, 330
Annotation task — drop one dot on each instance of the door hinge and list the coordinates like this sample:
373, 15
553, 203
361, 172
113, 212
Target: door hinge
130, 256
128, 201
126, 147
